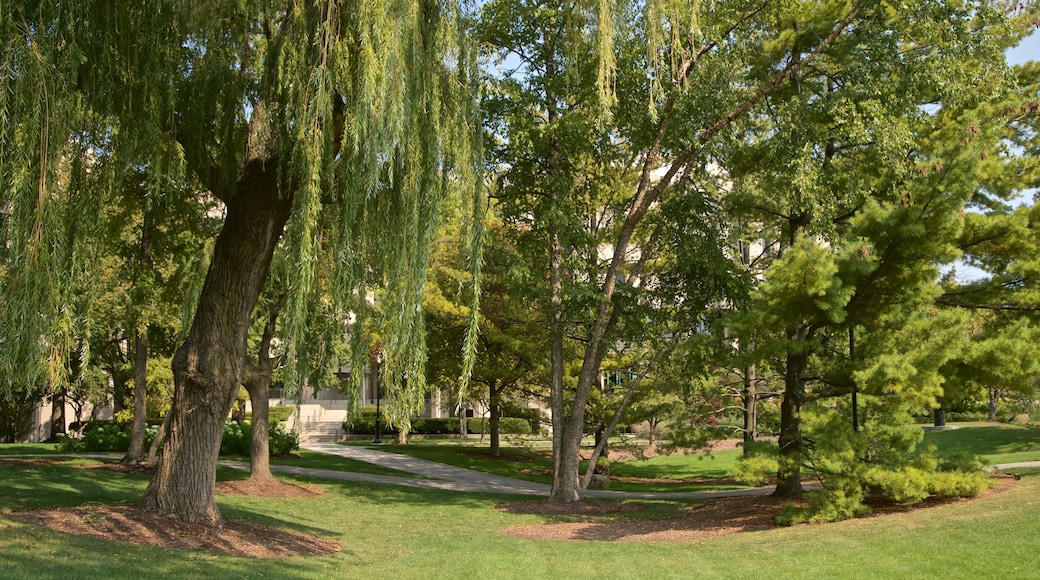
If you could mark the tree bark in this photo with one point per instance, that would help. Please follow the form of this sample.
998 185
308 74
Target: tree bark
495 422
993 394
208 366
750 402
153 449
257 384
789 474
135 453
58 413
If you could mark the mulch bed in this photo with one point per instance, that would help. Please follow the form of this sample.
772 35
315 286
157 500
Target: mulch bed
134 525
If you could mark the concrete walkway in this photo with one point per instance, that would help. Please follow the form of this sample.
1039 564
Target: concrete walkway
452 478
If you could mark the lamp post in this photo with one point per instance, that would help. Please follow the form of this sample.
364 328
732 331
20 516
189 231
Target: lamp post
375 379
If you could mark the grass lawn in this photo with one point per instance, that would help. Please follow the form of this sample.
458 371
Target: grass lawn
536 465
993 442
27 448
309 459
410 533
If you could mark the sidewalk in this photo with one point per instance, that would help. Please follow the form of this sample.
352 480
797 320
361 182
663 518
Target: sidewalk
452 478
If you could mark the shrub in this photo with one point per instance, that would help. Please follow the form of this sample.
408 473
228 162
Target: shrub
756 470
826 505
506 425
282 442
759 465
104 436
366 425
237 439
446 426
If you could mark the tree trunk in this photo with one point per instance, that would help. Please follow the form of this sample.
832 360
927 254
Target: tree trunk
258 384
135 453
495 423
153 449
58 413
749 399
994 402
566 444
208 366
789 474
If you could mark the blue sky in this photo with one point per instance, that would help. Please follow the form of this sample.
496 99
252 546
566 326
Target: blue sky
1028 49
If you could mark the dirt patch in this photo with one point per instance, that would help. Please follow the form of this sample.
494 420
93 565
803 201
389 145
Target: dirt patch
133 468
578 508
131 524
267 488
717 517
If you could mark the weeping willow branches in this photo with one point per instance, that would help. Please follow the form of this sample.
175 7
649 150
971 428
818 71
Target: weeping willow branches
366 111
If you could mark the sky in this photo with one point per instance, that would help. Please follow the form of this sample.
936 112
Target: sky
1028 49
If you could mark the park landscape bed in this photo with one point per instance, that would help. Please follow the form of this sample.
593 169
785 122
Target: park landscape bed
584 520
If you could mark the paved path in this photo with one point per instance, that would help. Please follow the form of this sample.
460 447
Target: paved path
452 478
1002 466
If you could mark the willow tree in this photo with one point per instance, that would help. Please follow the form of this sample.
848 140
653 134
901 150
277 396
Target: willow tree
334 128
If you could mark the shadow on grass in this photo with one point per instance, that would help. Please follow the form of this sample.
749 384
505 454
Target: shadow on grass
33 486
986 440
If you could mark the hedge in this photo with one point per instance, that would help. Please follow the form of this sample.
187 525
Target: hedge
365 425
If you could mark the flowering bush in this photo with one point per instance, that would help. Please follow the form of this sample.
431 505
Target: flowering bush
238 438
104 437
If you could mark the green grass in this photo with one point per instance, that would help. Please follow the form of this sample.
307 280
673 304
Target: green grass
315 460
27 448
516 462
407 533
993 442
309 459
536 465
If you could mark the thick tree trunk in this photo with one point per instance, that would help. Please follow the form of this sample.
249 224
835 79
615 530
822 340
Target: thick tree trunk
208 366
135 453
495 423
789 475
566 480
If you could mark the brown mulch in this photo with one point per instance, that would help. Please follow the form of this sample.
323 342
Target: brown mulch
131 524
717 517
269 488
134 525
